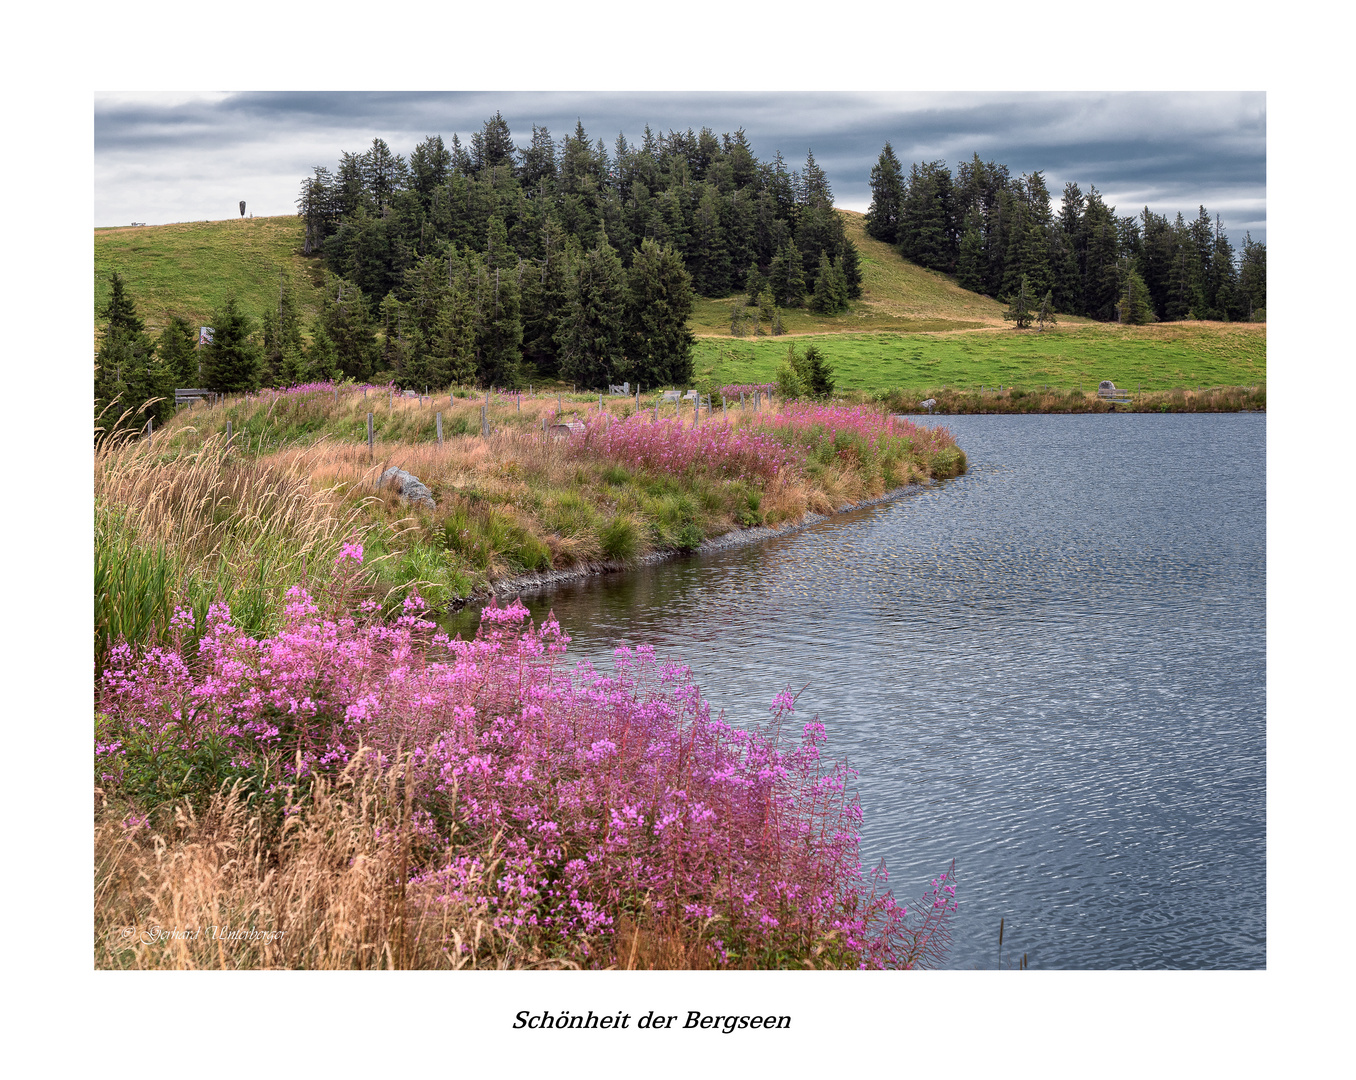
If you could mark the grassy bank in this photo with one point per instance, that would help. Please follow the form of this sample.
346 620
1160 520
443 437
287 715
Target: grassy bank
186 517
1040 400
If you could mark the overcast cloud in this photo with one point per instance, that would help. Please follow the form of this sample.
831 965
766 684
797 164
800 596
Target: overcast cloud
163 157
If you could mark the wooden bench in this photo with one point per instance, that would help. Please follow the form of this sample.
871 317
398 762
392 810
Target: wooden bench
670 395
189 395
1107 392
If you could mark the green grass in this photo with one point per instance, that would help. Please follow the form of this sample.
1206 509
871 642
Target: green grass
1157 357
188 269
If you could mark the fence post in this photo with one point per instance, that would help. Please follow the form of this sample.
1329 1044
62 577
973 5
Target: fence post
697 411
369 436
440 428
484 421
228 436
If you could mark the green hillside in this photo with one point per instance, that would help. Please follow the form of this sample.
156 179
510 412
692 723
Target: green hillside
188 269
912 328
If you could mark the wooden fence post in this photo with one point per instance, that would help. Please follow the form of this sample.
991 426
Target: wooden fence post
369 436
484 421
440 428
228 436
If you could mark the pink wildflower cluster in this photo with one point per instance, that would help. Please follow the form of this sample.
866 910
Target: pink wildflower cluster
748 389
668 446
566 797
812 425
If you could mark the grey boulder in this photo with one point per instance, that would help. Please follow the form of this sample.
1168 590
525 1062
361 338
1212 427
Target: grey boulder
410 487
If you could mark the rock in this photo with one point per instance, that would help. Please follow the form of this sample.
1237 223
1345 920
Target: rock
411 488
930 404
1106 384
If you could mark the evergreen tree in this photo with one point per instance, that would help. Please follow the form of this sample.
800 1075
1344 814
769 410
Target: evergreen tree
971 264
1136 305
1046 314
816 376
1252 279
593 336
1019 306
830 295
499 326
231 363
929 232
322 359
658 302
348 324
786 275
887 198
120 310
282 342
177 346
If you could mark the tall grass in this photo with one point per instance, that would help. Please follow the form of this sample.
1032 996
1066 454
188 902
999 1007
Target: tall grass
322 884
188 524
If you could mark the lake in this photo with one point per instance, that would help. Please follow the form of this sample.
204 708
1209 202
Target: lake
1051 669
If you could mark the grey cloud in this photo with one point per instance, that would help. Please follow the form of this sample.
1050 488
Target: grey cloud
1174 151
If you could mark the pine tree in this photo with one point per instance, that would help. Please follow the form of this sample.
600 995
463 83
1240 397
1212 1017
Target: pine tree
971 263
499 326
887 198
344 315
816 376
786 275
322 359
593 336
1046 314
231 363
1019 306
1252 278
177 347
659 298
132 384
830 295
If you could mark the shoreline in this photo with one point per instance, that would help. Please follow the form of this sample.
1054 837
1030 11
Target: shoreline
526 583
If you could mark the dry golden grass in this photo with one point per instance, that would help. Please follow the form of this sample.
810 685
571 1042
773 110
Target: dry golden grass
214 506
220 890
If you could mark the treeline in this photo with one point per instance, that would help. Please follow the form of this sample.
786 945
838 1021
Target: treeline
562 258
992 230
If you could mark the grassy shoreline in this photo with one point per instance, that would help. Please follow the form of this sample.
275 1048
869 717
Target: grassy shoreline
187 517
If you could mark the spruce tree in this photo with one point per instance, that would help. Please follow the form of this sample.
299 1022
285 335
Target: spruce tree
1046 314
132 385
887 198
231 363
1019 306
593 336
659 298
177 346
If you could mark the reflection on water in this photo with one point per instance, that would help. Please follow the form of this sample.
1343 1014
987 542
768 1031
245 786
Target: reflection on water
1051 669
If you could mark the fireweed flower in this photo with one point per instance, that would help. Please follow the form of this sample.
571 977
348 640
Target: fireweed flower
591 793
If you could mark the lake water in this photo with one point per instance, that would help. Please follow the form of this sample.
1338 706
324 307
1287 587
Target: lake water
1051 669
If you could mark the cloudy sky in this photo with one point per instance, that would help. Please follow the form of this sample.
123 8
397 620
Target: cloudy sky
167 156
